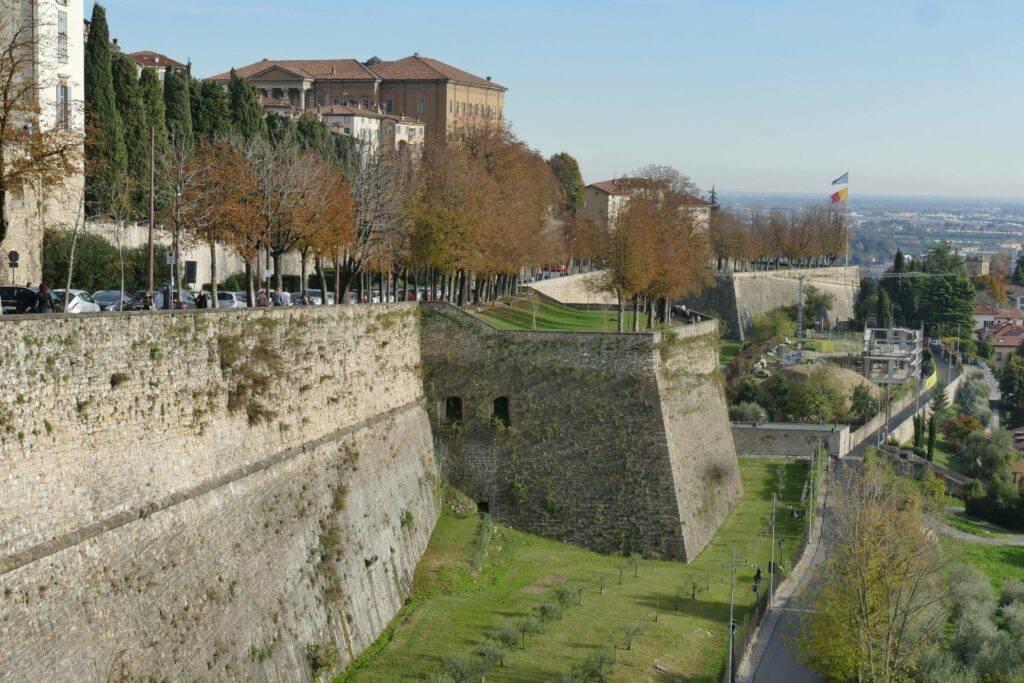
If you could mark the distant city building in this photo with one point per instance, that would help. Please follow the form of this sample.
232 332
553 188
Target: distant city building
976 264
156 61
416 87
1015 294
603 201
892 355
59 79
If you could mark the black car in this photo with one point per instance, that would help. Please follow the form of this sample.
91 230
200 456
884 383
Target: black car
113 300
14 298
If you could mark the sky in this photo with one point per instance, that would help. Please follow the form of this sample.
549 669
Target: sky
913 97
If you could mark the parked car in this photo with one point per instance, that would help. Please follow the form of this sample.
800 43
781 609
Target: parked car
113 300
9 299
317 297
79 301
231 300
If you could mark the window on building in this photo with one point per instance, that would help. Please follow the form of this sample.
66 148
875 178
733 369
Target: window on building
366 103
451 105
421 105
501 413
463 108
63 106
336 100
62 37
319 101
999 355
388 106
453 409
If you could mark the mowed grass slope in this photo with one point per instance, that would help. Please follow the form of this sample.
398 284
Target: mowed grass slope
997 562
553 317
451 607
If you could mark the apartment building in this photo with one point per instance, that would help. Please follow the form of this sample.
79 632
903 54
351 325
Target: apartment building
417 88
58 75
603 201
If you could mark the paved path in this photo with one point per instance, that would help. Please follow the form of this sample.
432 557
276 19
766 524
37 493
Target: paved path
771 656
946 530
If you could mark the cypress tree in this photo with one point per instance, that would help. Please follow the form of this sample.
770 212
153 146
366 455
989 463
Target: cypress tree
136 130
931 438
153 100
106 159
246 114
212 117
177 108
939 403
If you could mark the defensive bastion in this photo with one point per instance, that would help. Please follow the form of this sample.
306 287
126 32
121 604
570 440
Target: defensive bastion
219 495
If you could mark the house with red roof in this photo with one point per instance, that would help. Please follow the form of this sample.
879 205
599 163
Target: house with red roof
155 60
603 201
986 316
1005 338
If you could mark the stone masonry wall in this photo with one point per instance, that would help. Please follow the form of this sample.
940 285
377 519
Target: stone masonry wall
204 496
738 298
600 450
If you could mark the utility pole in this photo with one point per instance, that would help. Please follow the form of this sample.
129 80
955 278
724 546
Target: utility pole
732 622
771 566
800 316
152 203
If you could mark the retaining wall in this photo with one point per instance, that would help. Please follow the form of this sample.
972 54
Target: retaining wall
202 496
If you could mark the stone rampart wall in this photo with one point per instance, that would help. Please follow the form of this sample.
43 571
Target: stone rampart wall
780 439
202 496
616 442
738 298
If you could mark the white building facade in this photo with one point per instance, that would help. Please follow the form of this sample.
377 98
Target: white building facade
58 74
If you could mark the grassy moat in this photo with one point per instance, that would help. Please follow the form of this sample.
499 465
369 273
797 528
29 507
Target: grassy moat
452 605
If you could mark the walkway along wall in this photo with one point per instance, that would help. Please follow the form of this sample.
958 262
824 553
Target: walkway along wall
616 442
203 496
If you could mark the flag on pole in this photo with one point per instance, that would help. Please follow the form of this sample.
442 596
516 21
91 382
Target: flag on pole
840 196
843 179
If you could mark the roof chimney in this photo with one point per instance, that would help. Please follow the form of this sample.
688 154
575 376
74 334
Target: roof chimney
488 79
334 70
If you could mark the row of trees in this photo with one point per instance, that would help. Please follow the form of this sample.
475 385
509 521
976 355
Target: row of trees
813 236
935 293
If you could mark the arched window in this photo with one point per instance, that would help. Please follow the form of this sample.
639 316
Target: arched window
453 409
501 412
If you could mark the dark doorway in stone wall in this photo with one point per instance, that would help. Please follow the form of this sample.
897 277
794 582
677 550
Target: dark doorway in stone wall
483 507
501 413
453 409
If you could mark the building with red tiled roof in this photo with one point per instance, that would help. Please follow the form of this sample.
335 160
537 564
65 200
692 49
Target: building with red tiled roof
1005 338
602 202
419 88
986 316
155 60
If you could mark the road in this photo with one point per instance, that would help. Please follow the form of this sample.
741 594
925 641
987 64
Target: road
778 660
942 367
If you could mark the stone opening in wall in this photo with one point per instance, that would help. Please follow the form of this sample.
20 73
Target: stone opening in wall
501 412
483 507
453 409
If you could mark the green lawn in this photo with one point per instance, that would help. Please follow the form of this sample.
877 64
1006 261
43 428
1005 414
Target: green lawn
944 456
998 562
727 350
451 607
976 527
552 316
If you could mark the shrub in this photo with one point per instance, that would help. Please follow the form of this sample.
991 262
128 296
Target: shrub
970 591
1013 591
747 412
773 325
503 634
462 669
973 631
323 658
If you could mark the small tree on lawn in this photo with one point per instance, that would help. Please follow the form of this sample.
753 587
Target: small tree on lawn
492 652
528 626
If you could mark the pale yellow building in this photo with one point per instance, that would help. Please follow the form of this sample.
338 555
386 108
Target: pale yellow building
416 87
603 201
